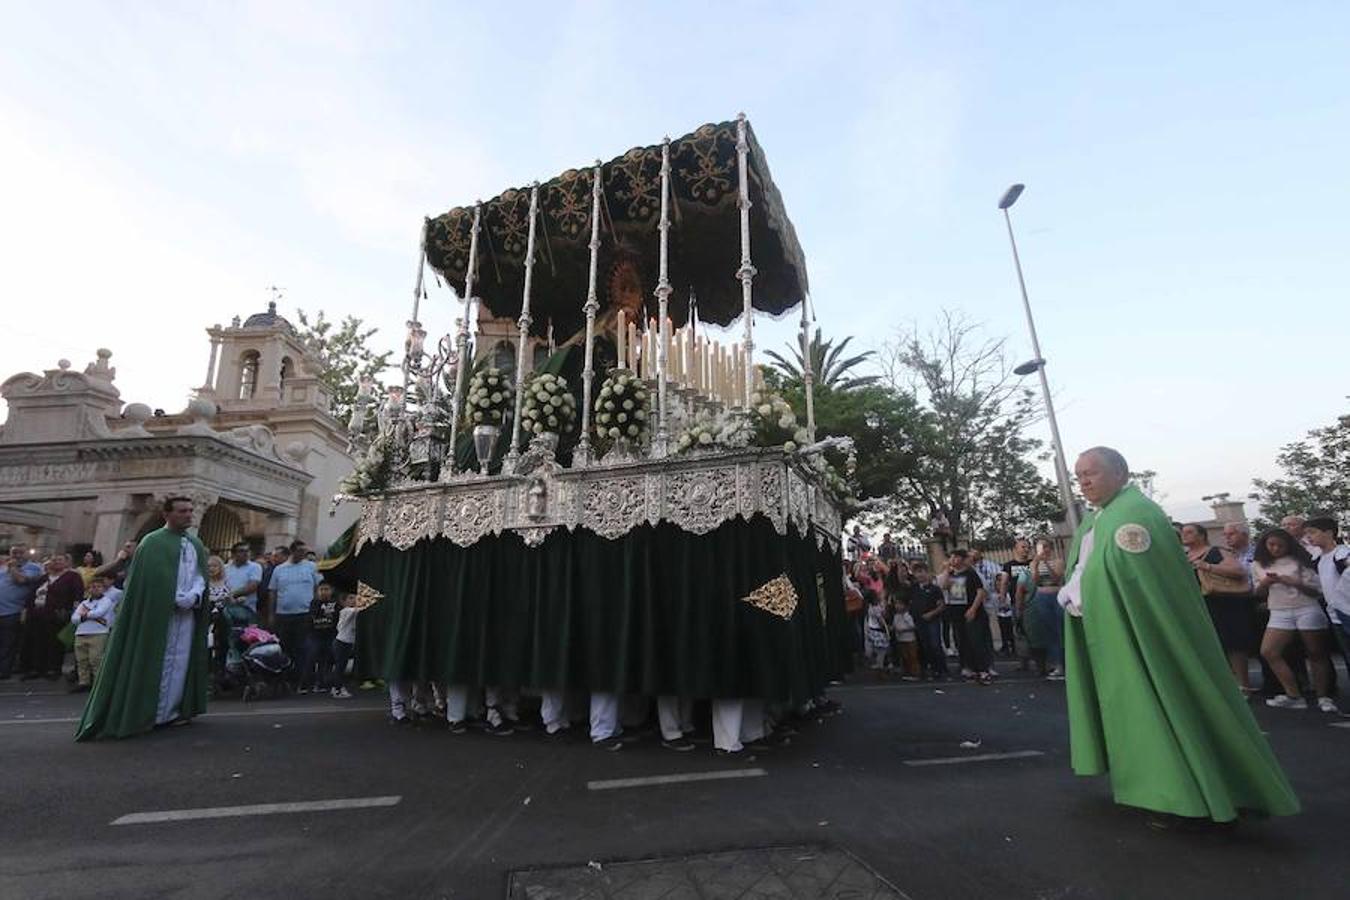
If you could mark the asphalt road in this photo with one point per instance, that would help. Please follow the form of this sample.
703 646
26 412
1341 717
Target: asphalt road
472 807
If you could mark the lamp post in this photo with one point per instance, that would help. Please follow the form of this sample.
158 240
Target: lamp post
1038 365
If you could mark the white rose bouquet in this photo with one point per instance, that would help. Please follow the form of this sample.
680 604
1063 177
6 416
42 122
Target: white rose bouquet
490 396
549 406
774 422
622 409
371 472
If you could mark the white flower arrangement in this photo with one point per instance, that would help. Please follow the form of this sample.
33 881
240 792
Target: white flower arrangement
371 472
774 423
490 396
549 406
623 408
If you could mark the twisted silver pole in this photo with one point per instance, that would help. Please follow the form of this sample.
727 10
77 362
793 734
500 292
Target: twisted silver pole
663 291
591 307
509 464
746 273
462 340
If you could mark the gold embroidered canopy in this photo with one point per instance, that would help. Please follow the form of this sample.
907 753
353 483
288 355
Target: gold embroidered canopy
705 240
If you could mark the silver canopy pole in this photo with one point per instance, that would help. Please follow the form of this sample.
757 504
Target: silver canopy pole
591 307
524 322
462 338
746 273
663 290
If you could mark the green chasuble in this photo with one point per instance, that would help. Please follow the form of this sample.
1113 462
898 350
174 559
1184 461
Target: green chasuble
126 690
1151 698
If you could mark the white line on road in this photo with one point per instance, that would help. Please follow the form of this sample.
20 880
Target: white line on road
978 757
257 809
230 714
616 783
1340 724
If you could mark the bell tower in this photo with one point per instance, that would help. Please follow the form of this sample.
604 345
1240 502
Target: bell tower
261 364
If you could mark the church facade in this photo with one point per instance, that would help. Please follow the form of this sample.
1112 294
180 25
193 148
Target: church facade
256 448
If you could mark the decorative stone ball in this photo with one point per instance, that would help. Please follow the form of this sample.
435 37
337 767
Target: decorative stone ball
137 413
201 408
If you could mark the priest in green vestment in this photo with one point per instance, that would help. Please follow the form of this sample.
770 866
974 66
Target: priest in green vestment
154 671
1152 702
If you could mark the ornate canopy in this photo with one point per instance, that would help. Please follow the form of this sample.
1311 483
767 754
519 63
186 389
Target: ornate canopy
705 246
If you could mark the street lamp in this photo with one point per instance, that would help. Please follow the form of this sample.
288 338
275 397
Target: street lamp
1038 365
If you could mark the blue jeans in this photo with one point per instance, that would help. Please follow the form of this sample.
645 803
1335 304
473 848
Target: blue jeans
342 652
931 653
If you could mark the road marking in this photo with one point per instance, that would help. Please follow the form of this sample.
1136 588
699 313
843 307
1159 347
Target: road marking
1340 724
231 714
256 809
616 783
977 757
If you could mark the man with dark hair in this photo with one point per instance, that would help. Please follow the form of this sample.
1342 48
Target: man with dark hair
293 589
155 669
1333 571
243 576
965 614
18 583
1151 700
269 565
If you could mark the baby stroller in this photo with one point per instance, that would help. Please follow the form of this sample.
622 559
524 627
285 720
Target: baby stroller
228 621
265 665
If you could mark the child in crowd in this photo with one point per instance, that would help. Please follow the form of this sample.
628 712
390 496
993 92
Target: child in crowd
926 609
878 638
902 627
1003 598
323 613
344 643
92 618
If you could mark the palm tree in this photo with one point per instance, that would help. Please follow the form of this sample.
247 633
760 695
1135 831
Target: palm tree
829 369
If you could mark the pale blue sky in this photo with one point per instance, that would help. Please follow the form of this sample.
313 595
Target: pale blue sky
1183 230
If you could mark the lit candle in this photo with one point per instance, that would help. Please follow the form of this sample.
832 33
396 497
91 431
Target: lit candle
619 336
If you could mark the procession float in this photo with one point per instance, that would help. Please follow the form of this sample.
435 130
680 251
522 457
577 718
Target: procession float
638 513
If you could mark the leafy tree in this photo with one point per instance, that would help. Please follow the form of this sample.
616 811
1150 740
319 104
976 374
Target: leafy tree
345 352
880 421
1316 476
828 364
973 458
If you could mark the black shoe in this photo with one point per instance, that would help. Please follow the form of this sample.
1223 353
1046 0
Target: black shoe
518 725
679 745
501 729
459 727
610 744
560 735
399 720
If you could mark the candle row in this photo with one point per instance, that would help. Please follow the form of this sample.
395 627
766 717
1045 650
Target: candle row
693 361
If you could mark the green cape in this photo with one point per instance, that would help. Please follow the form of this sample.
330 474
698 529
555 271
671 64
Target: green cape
126 691
1151 697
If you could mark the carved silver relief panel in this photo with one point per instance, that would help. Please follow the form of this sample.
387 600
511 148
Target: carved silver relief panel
613 507
701 499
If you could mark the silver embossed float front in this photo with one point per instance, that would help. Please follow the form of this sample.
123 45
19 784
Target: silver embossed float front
695 493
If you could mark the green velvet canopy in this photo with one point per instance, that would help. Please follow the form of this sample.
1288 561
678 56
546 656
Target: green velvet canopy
657 611
705 244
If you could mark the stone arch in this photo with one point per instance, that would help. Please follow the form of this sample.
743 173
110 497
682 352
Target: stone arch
220 529
250 366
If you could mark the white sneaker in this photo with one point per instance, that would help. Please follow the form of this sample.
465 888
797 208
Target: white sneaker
1284 701
1327 705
